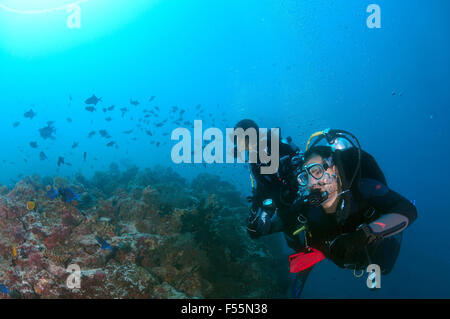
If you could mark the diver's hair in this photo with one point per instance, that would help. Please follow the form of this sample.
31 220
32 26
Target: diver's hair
245 124
322 151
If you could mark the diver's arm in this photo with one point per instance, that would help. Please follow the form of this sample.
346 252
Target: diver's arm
397 213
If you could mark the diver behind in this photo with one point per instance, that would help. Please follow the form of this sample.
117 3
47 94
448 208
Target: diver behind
272 194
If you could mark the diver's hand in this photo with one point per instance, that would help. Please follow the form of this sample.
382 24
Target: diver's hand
345 248
258 223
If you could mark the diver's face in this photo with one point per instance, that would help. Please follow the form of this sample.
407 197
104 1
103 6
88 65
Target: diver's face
245 148
327 183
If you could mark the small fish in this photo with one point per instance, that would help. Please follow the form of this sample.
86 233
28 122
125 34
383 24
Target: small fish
156 108
108 119
135 103
123 110
128 132
30 114
42 156
104 110
16 124
93 100
14 251
33 144
159 124
90 108
68 195
84 156
51 192
110 144
92 134
47 132
111 108
75 145
4 290
104 134
157 144
69 120
148 133
103 244
60 161
151 98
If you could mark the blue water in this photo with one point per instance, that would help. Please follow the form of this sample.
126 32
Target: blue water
299 65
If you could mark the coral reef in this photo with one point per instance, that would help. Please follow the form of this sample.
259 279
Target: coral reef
133 234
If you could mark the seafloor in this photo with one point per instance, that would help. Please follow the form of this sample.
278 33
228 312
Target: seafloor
169 238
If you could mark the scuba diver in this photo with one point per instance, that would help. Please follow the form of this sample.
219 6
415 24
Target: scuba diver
345 210
272 194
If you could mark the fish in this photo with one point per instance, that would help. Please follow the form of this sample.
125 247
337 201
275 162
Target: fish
60 161
157 144
48 131
156 108
148 132
104 134
84 156
4 290
108 119
93 100
16 124
111 108
30 114
159 124
51 192
110 144
90 108
69 120
33 144
127 132
42 156
68 195
104 110
151 98
75 145
123 110
135 103
103 244
92 134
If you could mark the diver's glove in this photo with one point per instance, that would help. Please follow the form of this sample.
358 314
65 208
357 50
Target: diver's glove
259 223
347 248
